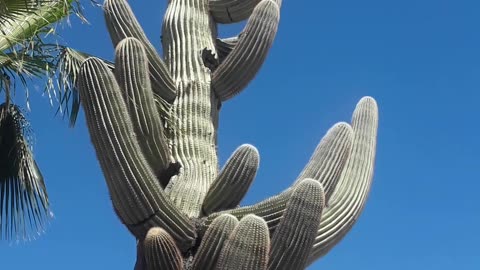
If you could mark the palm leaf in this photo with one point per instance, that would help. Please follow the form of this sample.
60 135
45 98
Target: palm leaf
23 20
24 25
24 205
25 64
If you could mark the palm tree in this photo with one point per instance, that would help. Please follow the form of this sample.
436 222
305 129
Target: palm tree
25 53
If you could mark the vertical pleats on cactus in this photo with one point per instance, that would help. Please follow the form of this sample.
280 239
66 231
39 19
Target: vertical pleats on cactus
121 23
251 50
161 251
247 247
132 70
224 46
354 184
325 165
334 148
161 162
231 11
134 188
296 232
233 181
213 241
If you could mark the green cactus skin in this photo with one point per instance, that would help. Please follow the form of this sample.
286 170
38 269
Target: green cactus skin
121 23
225 46
135 191
213 241
325 165
233 181
352 190
296 232
244 61
247 247
153 122
132 70
161 252
231 11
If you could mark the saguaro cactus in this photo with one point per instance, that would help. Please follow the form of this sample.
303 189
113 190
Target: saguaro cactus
153 122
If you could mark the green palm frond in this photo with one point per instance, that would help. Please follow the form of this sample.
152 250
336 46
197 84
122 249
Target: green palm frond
24 64
23 20
24 205
24 54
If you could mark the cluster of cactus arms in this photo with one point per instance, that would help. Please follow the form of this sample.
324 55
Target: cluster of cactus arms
153 123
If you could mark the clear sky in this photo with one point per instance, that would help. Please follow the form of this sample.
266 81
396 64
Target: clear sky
419 59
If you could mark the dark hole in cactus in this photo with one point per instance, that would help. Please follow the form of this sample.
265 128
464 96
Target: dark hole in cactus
172 169
209 59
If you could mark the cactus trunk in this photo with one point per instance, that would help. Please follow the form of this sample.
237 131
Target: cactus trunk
187 31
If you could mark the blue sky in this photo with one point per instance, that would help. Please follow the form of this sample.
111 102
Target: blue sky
419 59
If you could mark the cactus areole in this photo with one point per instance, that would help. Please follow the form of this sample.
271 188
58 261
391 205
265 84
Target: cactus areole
153 122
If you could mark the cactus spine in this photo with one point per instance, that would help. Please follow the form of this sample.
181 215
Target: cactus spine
153 123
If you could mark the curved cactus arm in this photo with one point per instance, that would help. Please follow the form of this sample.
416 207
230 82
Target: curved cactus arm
122 23
352 190
140 263
68 67
161 251
213 242
224 46
131 72
296 232
242 64
337 146
231 11
135 192
234 180
325 166
248 246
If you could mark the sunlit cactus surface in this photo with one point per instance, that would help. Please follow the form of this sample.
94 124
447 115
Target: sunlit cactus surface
153 121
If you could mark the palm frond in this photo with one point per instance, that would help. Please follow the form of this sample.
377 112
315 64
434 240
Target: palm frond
24 205
24 25
35 61
26 64
23 20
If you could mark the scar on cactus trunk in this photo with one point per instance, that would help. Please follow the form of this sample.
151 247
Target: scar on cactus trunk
153 122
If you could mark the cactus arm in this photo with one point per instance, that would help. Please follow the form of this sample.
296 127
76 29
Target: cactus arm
353 187
213 242
234 180
296 232
161 251
134 190
244 61
224 46
325 166
247 247
131 72
231 11
339 140
122 23
68 67
140 263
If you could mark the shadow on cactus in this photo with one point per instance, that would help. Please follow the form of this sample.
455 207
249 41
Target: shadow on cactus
153 122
